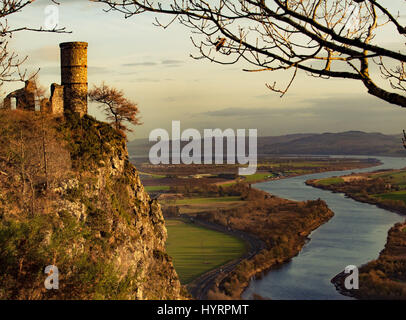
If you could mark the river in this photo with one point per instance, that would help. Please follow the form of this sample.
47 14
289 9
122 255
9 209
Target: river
355 235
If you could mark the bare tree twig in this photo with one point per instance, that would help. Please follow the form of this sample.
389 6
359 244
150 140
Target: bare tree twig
311 36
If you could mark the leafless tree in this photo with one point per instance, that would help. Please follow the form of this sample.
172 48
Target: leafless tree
10 62
324 38
32 157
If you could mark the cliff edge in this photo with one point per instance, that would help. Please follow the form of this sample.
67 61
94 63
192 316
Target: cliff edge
69 197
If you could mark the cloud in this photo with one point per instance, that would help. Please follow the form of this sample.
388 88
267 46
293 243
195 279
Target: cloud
145 80
352 104
238 112
139 64
170 62
167 63
349 110
324 114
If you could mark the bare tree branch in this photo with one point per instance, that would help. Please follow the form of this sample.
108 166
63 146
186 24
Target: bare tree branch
324 38
10 62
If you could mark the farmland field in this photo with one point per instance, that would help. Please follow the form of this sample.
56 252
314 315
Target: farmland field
333 180
156 188
397 195
195 249
258 177
398 178
206 200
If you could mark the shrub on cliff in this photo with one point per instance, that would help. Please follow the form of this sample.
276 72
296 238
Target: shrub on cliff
93 220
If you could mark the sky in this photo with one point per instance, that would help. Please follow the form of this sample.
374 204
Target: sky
154 68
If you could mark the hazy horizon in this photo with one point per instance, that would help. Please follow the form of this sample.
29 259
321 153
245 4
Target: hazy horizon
153 68
301 133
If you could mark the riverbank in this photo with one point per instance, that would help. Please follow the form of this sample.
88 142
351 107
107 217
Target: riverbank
340 165
283 225
385 277
386 190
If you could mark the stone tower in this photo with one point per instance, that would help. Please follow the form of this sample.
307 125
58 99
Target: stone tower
74 76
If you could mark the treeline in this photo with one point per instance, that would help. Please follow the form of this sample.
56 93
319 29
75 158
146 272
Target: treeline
211 190
207 190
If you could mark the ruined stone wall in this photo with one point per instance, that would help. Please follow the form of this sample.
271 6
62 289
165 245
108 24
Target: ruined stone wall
74 76
70 96
56 100
25 97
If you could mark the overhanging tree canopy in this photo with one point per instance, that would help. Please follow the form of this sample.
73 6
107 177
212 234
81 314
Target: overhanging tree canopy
324 38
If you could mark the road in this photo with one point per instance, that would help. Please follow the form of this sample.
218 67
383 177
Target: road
201 286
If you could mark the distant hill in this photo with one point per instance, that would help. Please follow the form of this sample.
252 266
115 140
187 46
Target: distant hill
342 143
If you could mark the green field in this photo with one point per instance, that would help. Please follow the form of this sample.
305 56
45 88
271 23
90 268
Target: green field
156 188
195 250
151 175
397 195
398 178
306 164
328 181
206 200
258 177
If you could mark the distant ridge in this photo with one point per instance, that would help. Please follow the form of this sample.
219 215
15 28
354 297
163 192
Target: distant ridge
342 143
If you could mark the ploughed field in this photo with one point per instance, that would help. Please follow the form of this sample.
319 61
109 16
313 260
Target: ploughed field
196 250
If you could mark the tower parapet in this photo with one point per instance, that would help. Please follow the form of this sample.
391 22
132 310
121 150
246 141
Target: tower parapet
74 76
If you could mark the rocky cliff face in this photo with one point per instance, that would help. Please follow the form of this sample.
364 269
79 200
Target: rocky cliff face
96 223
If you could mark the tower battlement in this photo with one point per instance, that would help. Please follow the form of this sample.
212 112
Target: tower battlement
74 76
